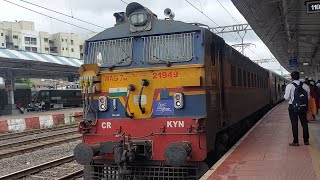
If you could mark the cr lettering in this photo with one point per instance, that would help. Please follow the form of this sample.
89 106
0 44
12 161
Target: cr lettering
106 125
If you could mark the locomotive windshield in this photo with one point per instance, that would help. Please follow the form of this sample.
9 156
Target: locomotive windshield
111 53
156 49
169 48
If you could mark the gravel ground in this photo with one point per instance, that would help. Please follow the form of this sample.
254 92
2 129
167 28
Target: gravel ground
16 163
35 136
56 172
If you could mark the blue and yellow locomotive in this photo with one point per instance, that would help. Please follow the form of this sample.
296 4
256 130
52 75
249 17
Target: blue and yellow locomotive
159 94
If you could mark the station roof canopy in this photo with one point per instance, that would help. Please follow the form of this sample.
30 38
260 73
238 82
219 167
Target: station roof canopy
18 63
289 31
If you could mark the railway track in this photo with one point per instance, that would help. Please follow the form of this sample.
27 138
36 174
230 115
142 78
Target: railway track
11 149
35 131
59 169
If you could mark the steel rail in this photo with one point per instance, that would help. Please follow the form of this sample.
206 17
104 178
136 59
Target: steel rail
35 131
73 175
40 139
38 168
40 145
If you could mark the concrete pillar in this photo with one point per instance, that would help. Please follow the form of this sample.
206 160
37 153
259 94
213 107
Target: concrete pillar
10 108
9 87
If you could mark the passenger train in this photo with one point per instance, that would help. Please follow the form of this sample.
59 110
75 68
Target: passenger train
164 98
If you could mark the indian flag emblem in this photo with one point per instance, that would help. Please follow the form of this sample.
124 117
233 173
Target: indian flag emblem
116 92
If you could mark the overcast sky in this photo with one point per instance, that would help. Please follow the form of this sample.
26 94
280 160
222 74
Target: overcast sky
100 12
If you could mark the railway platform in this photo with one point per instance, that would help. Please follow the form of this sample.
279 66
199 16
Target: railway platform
38 120
264 152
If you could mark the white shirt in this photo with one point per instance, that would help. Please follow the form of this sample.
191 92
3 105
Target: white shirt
289 93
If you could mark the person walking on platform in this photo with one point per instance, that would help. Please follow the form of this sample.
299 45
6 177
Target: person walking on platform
298 95
312 103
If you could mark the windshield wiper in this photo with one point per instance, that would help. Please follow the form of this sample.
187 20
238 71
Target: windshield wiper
119 62
163 61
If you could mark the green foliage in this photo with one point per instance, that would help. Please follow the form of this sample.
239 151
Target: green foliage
24 80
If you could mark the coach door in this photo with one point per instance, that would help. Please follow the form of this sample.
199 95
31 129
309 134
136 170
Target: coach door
221 81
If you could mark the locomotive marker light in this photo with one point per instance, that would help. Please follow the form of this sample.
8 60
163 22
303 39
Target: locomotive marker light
178 100
103 104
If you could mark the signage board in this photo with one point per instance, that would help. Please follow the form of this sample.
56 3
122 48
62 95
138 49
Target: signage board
8 85
293 62
313 7
163 107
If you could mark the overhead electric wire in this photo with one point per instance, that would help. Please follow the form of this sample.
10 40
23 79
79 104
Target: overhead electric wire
63 13
48 16
210 18
265 47
238 23
124 1
71 8
201 12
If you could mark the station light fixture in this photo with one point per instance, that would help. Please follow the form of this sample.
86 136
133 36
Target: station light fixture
178 100
305 64
103 103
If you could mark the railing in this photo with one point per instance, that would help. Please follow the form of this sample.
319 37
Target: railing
168 48
110 53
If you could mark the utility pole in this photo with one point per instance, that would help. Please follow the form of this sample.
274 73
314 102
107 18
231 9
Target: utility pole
262 61
235 28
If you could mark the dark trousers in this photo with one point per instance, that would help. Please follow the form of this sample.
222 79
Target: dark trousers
294 122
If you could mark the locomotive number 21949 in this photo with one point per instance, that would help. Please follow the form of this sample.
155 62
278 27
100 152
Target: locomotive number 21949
162 75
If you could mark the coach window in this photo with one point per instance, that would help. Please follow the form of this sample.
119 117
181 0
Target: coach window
233 76
249 79
239 77
255 81
259 81
252 80
244 78
265 83
212 55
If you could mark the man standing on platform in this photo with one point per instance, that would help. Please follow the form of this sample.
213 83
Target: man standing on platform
298 95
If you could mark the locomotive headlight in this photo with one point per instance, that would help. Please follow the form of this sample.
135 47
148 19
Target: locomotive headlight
138 19
178 100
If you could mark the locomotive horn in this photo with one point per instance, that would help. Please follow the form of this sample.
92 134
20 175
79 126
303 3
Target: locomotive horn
169 13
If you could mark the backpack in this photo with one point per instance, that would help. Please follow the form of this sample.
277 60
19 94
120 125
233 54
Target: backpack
300 102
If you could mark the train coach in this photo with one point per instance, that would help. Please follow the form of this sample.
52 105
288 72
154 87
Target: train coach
22 95
164 98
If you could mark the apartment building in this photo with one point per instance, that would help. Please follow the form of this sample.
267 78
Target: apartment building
21 35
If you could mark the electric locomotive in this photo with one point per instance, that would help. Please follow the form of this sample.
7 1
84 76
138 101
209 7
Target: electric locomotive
156 95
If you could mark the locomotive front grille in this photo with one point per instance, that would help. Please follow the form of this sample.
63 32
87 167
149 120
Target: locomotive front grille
111 172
